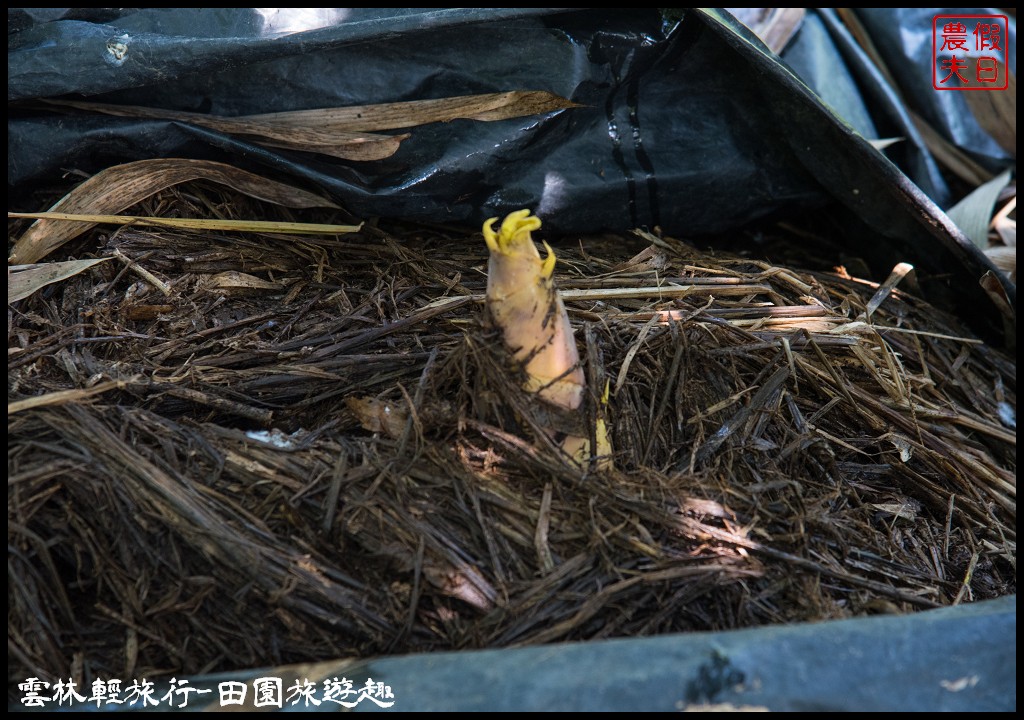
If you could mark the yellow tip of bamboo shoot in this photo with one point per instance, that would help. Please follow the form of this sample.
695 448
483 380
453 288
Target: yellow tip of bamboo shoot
548 268
523 302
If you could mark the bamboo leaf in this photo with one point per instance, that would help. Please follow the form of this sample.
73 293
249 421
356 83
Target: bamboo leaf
775 26
949 155
309 137
264 226
23 280
1004 258
973 214
378 415
114 189
234 280
1004 225
883 143
390 116
348 132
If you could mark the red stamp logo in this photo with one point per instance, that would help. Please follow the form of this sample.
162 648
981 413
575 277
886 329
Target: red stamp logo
969 52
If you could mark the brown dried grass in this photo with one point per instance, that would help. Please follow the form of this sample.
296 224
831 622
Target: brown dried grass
781 453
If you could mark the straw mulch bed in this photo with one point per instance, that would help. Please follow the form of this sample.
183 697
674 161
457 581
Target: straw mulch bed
333 464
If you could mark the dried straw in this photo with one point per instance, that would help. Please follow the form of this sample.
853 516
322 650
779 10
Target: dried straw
198 491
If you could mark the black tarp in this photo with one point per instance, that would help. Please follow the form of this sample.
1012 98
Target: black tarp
960 659
692 126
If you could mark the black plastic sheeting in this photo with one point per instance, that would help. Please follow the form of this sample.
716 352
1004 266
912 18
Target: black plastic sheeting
958 659
951 659
692 126
947 112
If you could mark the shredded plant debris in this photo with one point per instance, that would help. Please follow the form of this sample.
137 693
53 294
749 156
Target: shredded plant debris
238 450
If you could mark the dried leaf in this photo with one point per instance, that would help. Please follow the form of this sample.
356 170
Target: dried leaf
23 280
1004 258
907 509
264 226
378 416
956 160
148 312
464 582
116 188
863 38
974 213
997 294
389 116
307 137
1004 225
1007 231
906 450
883 143
346 132
234 280
775 26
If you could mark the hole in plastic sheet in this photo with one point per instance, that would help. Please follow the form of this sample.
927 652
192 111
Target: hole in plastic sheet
117 49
